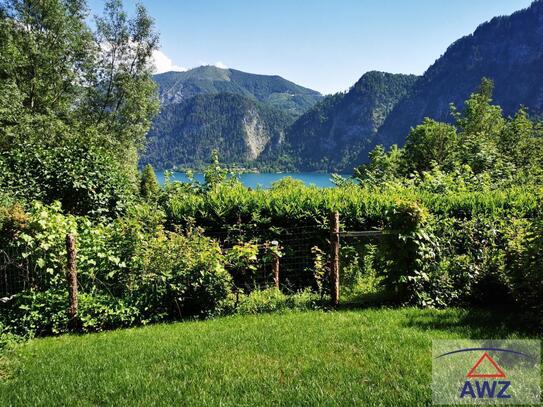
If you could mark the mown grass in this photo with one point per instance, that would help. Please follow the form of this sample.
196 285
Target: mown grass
372 357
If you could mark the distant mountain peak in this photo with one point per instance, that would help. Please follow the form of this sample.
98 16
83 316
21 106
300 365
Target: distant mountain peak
337 130
175 87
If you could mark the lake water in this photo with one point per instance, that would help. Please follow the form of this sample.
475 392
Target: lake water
264 180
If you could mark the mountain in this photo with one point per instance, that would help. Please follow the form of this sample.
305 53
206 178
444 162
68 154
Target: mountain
242 115
240 128
336 131
267 121
508 50
175 87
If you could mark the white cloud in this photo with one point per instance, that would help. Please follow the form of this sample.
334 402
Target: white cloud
219 64
163 63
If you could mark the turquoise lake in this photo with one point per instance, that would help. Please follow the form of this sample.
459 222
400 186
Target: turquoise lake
264 180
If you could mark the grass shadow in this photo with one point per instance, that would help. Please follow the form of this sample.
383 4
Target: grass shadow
477 323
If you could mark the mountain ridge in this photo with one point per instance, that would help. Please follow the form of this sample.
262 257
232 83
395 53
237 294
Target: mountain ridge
333 133
174 87
507 49
307 131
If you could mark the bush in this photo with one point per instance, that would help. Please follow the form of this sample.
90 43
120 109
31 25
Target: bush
179 276
452 249
102 312
32 313
86 179
524 260
129 271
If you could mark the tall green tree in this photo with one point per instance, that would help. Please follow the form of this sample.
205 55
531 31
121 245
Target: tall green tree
122 98
74 105
479 126
46 53
431 143
521 142
149 186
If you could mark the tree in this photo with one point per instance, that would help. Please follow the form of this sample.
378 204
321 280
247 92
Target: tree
122 98
214 174
481 149
479 127
520 143
383 166
73 102
149 187
46 53
430 143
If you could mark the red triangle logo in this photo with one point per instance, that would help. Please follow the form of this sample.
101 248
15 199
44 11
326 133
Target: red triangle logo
499 373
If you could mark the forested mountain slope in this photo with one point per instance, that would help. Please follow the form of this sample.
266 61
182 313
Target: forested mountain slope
337 130
240 128
508 50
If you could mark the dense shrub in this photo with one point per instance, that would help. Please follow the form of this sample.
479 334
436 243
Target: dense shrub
455 248
179 276
129 271
524 260
273 300
155 264
88 180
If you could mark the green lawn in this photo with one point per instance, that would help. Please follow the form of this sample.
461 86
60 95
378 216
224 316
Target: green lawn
366 357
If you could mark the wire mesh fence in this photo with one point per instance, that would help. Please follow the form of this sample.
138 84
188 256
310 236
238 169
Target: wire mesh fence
285 258
293 246
290 258
15 275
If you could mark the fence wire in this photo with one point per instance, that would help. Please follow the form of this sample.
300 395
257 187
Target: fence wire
296 261
295 244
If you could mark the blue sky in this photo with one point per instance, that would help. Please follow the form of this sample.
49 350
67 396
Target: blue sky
322 44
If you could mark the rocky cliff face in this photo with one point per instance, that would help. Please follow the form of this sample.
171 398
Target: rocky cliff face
255 135
241 129
508 50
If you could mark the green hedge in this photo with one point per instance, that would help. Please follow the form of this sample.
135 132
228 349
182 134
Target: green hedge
459 248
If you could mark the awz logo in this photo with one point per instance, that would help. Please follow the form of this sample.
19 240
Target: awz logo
486 371
486 388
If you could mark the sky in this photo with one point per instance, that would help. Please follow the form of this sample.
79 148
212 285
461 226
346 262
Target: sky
325 45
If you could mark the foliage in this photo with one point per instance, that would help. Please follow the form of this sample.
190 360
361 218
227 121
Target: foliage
86 178
129 271
75 105
149 187
241 260
429 144
321 271
180 276
447 244
524 260
214 173
482 149
273 300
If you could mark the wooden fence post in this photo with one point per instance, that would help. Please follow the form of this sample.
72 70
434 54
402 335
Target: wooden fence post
334 258
275 269
275 262
71 275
